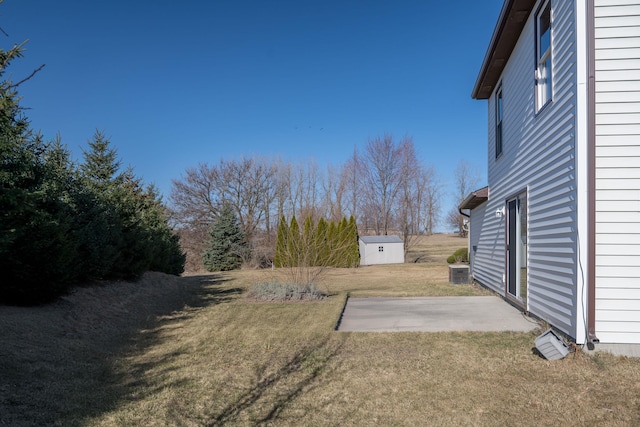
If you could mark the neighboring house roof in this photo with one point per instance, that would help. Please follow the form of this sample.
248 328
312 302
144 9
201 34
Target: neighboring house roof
475 199
381 239
512 18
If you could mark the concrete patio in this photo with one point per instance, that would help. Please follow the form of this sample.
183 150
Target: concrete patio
433 314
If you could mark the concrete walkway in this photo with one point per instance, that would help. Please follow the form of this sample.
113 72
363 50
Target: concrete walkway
433 314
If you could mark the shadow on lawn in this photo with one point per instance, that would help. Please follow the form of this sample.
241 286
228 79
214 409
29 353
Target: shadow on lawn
61 364
273 392
124 383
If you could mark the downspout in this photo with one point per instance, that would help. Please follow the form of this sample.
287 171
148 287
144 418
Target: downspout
591 171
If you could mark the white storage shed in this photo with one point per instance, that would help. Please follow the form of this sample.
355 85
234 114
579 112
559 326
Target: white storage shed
381 250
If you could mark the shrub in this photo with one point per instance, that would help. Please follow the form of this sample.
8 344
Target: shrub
460 255
282 292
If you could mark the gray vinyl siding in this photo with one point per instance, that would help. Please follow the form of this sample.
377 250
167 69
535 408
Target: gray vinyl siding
477 216
617 54
538 157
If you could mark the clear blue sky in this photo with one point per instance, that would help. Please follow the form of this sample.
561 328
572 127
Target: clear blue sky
175 83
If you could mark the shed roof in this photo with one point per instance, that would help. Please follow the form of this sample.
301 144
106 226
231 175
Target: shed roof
513 17
475 199
381 239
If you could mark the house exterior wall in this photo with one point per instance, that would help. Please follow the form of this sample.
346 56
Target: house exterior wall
476 217
392 253
538 157
617 86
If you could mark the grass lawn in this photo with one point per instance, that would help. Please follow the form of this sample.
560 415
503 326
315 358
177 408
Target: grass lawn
193 351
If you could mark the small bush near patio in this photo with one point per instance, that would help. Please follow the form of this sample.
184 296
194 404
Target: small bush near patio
461 255
281 292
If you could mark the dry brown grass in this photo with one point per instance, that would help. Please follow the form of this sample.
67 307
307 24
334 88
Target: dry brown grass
194 352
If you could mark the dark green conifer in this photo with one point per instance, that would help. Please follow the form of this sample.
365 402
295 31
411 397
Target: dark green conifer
321 244
354 251
280 259
294 243
227 245
308 249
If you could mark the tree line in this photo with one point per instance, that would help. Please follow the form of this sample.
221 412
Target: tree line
64 223
385 187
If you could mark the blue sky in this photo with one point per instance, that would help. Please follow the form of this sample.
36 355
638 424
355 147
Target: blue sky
178 83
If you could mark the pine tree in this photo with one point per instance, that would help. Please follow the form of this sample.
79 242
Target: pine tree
101 163
103 213
227 243
34 247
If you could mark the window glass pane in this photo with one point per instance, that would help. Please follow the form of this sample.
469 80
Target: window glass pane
543 68
544 28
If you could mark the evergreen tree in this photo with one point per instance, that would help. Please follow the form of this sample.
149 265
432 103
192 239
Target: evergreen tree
320 243
101 212
308 249
227 243
60 224
280 258
34 248
342 244
354 251
294 243
332 244
101 163
126 225
166 256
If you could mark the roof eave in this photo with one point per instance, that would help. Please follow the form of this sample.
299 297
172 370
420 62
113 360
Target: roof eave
511 21
475 199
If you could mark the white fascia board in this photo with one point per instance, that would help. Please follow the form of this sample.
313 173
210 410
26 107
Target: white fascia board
582 171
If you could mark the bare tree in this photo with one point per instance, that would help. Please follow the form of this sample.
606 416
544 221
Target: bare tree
304 183
387 189
466 180
246 184
352 177
431 200
194 203
334 188
383 164
410 192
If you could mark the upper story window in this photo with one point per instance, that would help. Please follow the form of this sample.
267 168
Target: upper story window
499 122
543 56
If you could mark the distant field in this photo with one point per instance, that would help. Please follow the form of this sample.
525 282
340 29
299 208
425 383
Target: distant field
193 351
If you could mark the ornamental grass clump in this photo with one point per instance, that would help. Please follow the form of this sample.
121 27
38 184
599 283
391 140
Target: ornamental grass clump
284 292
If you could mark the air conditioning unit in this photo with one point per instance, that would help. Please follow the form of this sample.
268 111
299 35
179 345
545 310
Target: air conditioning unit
458 274
551 346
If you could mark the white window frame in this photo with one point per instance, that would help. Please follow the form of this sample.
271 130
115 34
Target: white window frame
499 142
544 67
